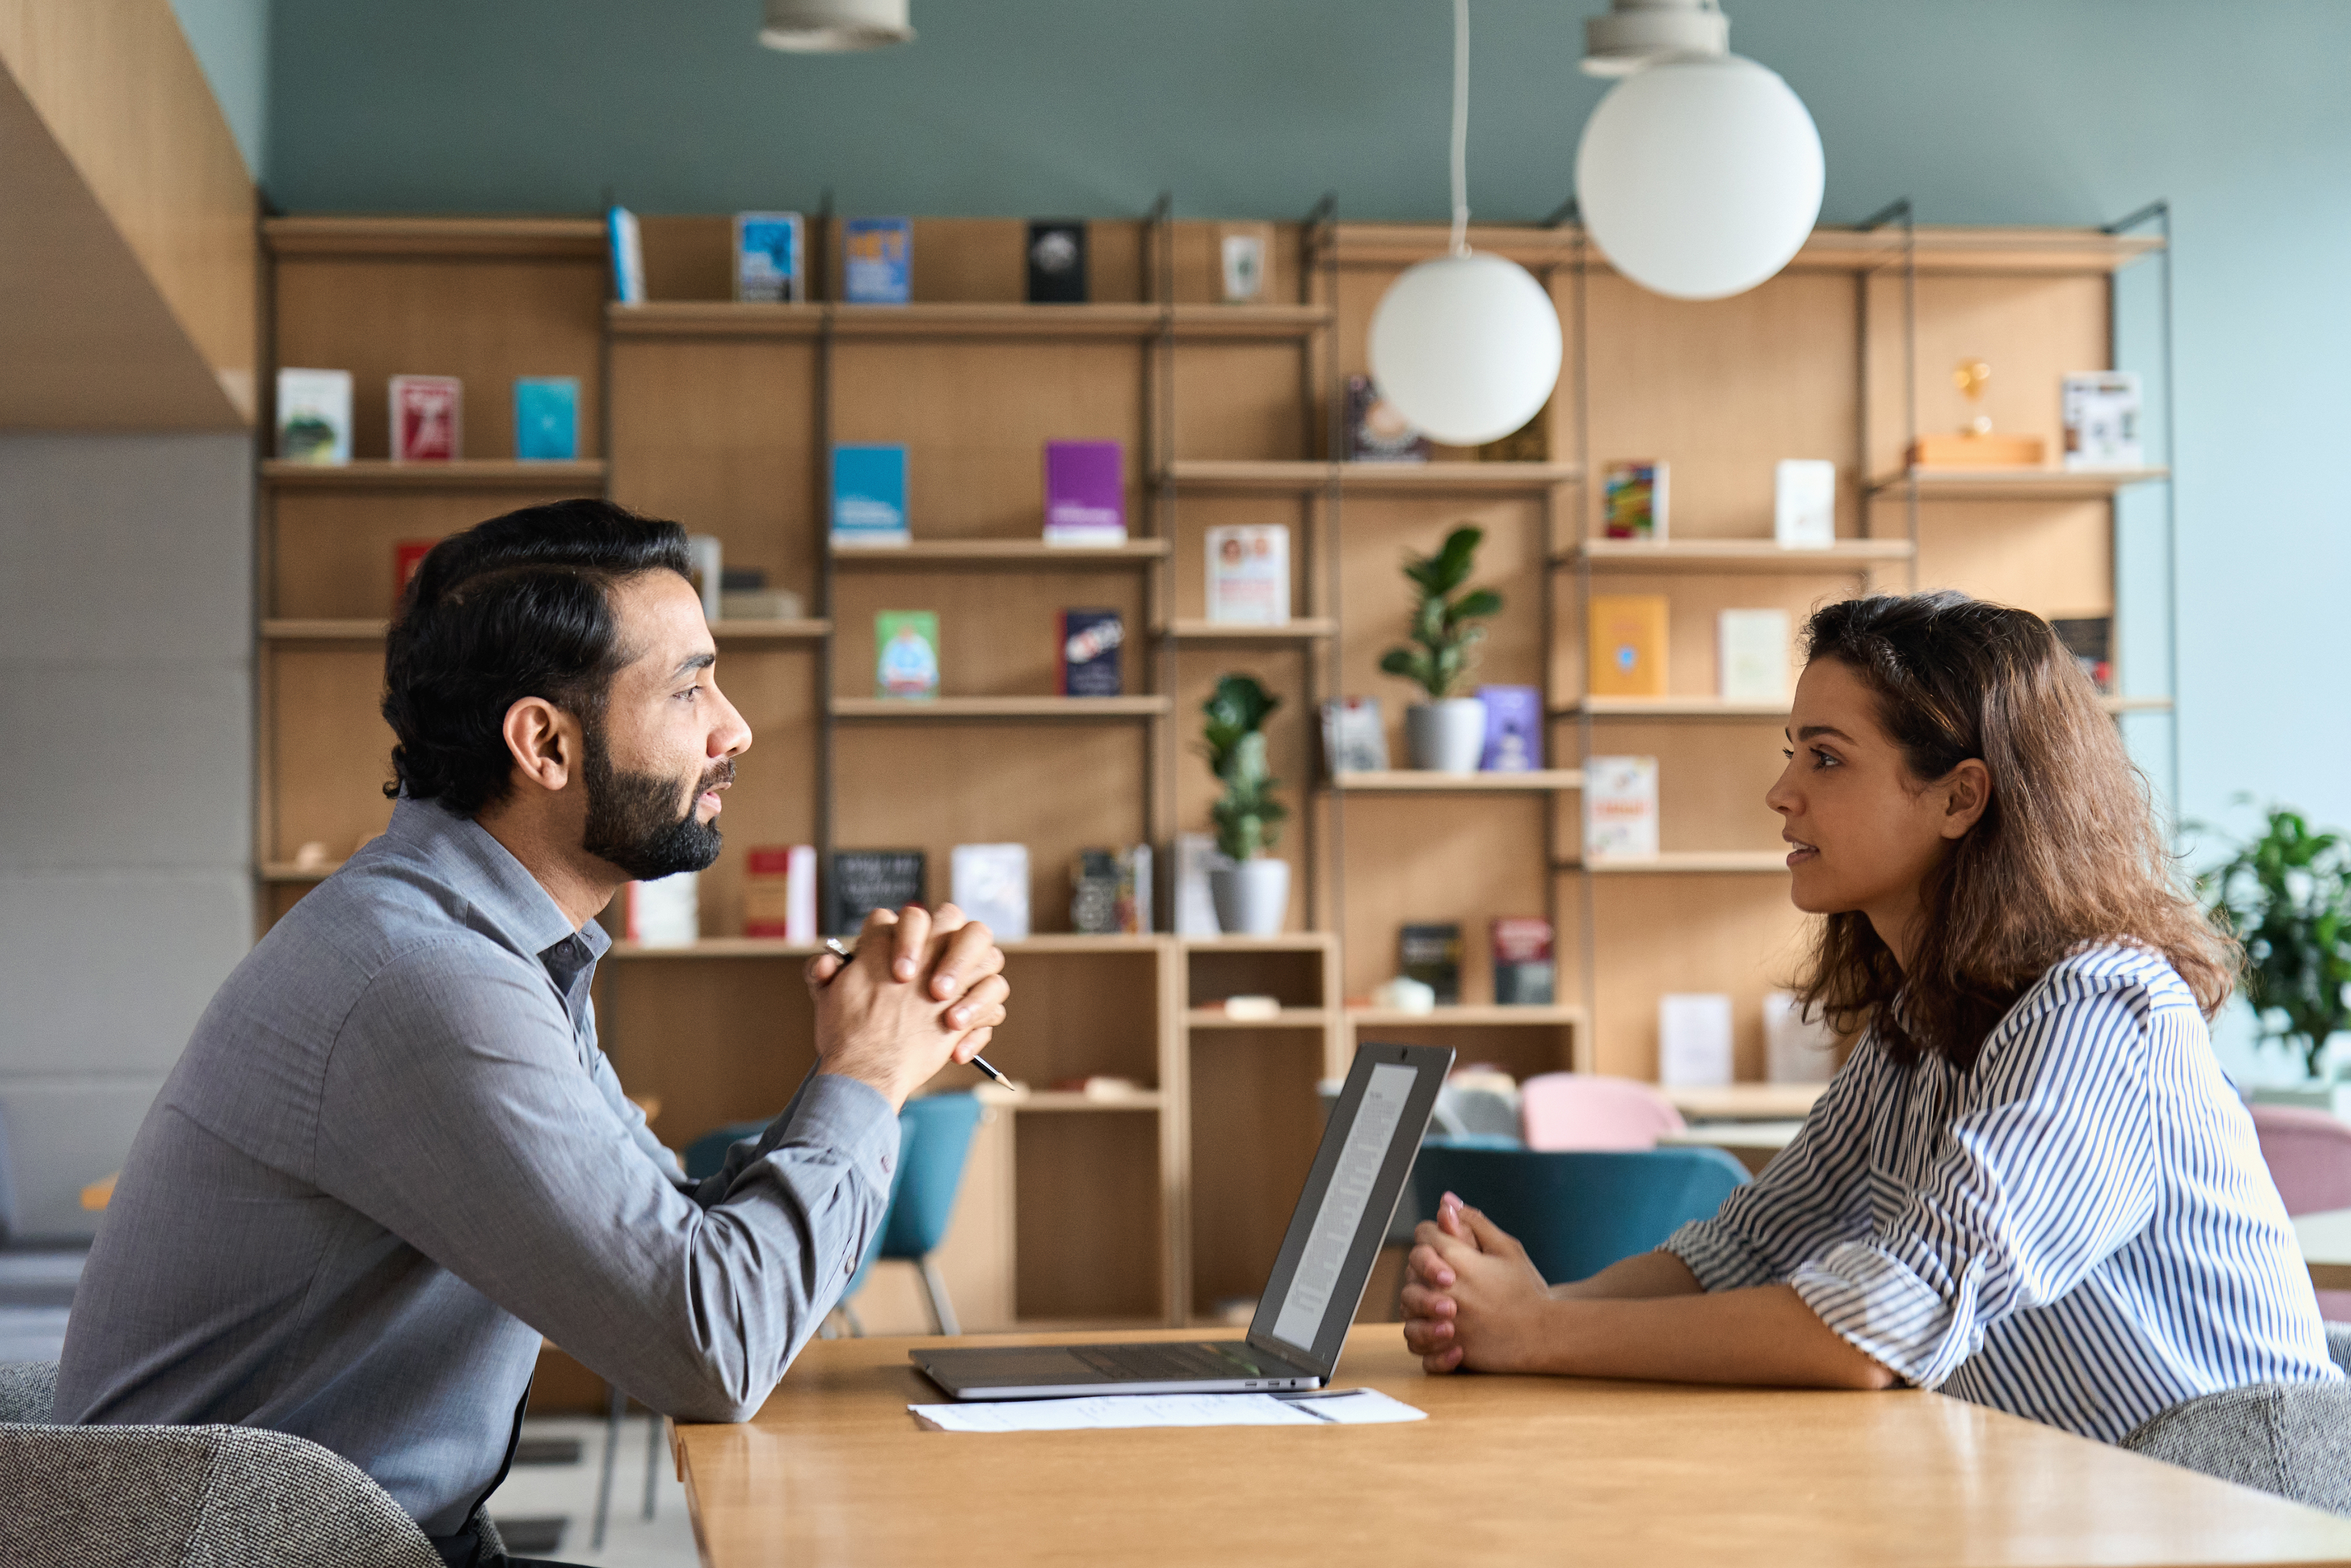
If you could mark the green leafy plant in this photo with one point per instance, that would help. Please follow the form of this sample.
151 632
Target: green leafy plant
2286 895
1248 817
1446 623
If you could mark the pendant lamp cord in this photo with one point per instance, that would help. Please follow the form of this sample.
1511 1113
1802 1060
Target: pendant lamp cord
1462 127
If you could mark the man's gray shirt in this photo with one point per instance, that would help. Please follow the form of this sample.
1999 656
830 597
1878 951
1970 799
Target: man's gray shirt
393 1156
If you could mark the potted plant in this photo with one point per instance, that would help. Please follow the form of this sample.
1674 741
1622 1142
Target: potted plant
1446 732
1252 894
2286 895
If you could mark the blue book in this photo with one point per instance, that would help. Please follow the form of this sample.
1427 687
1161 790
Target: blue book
767 257
869 495
628 256
880 253
547 418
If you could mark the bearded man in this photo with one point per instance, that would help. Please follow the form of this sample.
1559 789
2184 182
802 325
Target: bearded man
393 1156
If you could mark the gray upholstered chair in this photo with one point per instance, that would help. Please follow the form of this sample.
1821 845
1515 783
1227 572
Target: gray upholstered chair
186 1497
2291 1438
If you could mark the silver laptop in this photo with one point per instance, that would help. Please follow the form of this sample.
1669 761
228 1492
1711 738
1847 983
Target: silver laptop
1318 1280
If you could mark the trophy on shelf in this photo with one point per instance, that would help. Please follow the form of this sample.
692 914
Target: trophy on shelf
1974 445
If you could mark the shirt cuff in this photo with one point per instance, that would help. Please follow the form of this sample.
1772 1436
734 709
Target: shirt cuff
1888 1314
1718 1259
844 1113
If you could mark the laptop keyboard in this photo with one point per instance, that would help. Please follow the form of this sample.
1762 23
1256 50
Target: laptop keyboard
1177 1363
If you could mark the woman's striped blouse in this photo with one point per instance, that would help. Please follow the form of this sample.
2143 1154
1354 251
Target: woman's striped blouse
2078 1229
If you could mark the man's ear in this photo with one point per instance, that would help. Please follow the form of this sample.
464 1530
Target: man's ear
1967 794
544 742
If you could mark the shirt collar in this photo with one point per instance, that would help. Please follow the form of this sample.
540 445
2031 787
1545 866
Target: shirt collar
503 899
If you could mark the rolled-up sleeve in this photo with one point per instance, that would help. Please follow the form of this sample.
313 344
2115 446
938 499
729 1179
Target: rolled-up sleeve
455 1113
2046 1171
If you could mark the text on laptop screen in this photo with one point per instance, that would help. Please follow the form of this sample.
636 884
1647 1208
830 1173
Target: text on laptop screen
1342 1213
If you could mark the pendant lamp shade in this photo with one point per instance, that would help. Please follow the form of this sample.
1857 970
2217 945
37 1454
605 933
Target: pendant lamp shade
1466 347
1700 178
831 27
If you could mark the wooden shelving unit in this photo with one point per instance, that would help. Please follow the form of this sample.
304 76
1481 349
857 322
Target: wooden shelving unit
1154 1208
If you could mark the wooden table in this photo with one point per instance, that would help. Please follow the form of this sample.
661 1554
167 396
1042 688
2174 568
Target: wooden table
1505 1471
2325 1241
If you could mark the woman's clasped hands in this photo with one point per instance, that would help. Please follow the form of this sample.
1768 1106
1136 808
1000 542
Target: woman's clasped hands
1471 1297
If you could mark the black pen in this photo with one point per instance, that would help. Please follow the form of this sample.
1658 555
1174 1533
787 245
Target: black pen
833 945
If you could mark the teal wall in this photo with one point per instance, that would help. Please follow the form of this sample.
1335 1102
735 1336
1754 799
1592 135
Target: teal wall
231 40
1981 111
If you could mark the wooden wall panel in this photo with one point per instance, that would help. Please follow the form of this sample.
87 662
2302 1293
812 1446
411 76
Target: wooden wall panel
1246 401
1199 265
331 751
486 319
2031 330
1522 1051
333 550
715 1040
997 629
1089 1182
1711 777
1198 511
2053 558
1254 1126
773 802
1415 859
1655 934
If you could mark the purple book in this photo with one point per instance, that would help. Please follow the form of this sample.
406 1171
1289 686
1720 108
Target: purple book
1513 729
1085 493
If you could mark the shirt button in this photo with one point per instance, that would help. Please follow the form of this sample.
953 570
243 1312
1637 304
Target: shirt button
849 1266
885 1165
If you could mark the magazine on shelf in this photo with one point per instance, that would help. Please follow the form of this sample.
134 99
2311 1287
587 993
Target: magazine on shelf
878 261
547 418
1085 493
767 257
869 495
1087 651
314 417
1249 574
1804 504
1620 808
427 418
991 884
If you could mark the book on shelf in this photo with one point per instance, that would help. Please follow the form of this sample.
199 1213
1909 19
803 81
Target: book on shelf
1634 498
991 884
1513 729
1797 1048
779 892
862 881
869 494
1376 431
1242 250
1524 972
1752 655
2090 639
664 912
767 257
1628 642
744 595
878 261
1804 504
1431 954
314 417
2101 411
626 243
427 418
1249 574
1086 654
1085 493
1110 892
906 653
1694 1040
1620 808
706 561
1354 735
546 419
1057 261
407 555
1196 855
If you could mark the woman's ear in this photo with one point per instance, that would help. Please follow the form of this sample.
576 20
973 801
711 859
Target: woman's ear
1967 794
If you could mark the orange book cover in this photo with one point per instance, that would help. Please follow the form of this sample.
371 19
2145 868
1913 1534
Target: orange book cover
1628 645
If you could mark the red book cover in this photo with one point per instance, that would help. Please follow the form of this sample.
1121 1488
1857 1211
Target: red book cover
407 555
426 412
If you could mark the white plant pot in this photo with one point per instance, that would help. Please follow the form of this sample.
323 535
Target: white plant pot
1251 898
1446 736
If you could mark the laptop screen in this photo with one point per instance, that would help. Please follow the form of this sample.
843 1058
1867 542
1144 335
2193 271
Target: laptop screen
1350 1194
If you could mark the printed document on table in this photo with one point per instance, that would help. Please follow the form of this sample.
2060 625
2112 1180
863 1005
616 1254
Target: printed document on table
1356 1407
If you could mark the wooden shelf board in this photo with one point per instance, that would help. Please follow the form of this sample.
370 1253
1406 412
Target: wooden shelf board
714 318
1288 942
1736 556
1031 555
1298 629
1470 1016
1124 323
287 871
2136 704
1744 1101
352 235
1250 320
2011 484
1067 1101
775 947
1669 707
1422 781
296 630
1422 477
473 474
1289 1018
770 631
1078 942
945 709
1937 248
1687 862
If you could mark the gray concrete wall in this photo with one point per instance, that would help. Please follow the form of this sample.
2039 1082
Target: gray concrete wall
126 744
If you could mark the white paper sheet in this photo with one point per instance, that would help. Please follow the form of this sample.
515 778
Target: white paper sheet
1355 1407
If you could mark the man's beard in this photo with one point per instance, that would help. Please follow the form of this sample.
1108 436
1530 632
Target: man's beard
633 819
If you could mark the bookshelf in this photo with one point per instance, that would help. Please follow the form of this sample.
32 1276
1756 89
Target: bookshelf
1165 1204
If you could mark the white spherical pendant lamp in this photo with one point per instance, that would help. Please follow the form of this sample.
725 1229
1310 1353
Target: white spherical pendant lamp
1466 346
833 27
1700 178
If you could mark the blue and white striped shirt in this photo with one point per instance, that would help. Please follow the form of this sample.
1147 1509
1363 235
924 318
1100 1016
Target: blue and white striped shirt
2079 1229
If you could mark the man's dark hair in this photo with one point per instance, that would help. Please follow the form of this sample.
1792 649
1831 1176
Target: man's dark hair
520 606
